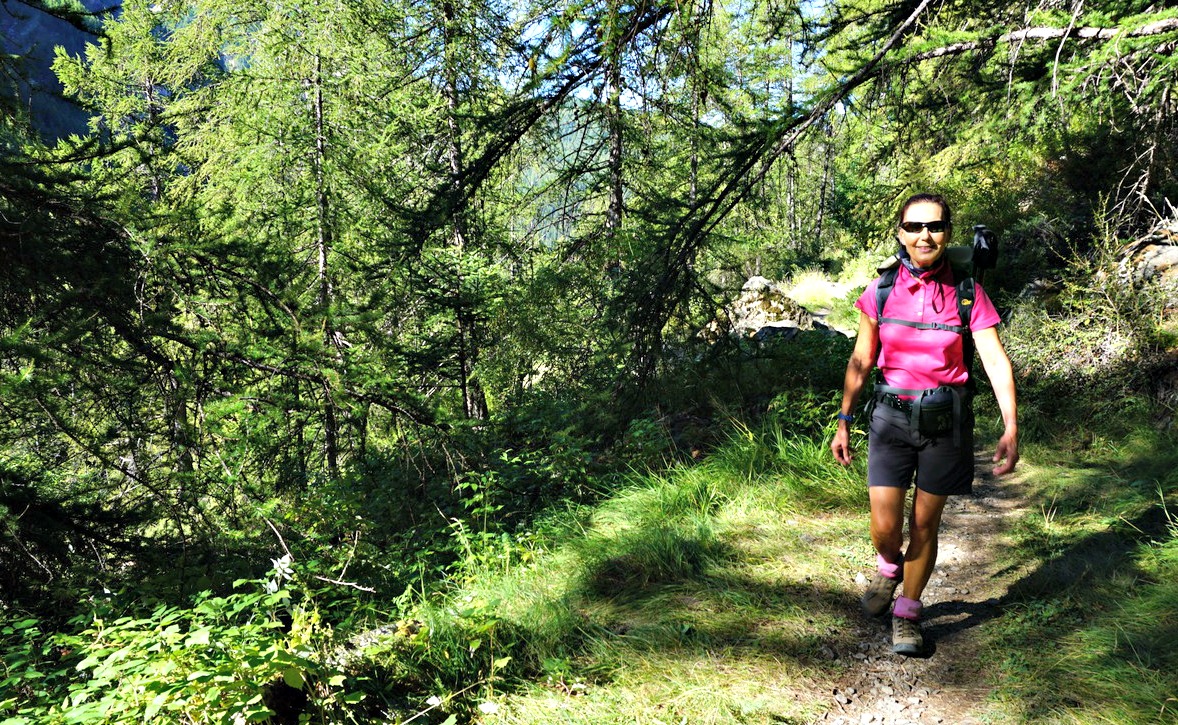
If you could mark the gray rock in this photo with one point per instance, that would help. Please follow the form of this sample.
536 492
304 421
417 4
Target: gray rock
784 331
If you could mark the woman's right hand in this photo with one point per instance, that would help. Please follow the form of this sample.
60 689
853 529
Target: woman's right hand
841 445
858 369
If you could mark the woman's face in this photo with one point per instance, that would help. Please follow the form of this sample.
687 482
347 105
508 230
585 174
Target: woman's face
925 246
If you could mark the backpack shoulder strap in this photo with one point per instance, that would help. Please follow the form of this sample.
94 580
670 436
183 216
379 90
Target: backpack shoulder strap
887 281
966 294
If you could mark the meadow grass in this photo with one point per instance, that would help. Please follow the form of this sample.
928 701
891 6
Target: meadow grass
704 592
1089 632
813 290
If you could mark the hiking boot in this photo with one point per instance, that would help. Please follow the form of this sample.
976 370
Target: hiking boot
906 637
878 597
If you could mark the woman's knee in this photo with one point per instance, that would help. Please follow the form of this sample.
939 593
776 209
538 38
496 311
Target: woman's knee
925 519
924 528
887 527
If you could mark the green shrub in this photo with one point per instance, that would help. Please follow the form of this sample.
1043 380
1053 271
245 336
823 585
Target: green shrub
1088 357
244 657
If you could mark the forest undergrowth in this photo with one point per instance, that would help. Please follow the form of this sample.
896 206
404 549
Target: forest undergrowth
703 569
706 592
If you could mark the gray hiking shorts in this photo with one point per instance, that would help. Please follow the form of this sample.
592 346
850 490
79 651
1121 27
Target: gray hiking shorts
897 455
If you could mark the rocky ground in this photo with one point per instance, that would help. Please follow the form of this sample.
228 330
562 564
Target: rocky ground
944 685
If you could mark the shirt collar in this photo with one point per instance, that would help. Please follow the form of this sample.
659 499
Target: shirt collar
939 271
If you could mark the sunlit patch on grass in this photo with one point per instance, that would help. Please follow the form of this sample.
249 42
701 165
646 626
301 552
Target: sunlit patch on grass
712 592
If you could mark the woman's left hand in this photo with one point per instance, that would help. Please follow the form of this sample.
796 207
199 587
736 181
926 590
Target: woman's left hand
1006 453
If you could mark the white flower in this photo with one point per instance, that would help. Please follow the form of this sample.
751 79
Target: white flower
434 701
282 568
488 708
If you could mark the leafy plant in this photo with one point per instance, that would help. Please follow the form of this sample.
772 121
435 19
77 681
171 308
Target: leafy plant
243 657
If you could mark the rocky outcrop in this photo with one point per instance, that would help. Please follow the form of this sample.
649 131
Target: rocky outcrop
1153 259
763 312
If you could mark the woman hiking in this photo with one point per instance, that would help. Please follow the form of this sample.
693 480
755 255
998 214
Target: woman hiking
921 421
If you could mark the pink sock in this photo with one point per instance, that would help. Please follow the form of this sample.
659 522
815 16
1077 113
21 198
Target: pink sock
906 608
887 568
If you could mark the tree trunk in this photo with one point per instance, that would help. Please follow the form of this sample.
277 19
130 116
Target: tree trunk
827 178
613 110
474 401
323 244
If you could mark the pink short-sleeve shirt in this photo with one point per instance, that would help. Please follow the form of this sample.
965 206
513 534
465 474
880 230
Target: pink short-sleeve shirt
920 359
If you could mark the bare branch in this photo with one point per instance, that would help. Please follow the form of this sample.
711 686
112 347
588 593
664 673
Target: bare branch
1059 50
280 539
344 584
1157 28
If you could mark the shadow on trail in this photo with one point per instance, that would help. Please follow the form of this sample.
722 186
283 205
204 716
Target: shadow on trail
718 610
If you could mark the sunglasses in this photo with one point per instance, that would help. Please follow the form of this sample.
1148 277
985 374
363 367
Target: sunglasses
937 227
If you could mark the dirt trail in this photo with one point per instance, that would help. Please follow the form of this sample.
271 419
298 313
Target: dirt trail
945 685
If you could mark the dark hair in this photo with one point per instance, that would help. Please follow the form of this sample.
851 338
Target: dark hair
930 198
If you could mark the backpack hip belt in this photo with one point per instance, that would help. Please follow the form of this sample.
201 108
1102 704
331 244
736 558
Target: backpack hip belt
927 409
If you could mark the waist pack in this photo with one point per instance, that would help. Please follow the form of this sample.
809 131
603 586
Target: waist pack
933 412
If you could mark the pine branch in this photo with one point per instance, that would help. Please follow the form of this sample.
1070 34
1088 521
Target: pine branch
752 163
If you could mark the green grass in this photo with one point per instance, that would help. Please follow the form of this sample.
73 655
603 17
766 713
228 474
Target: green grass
704 592
707 592
1090 633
